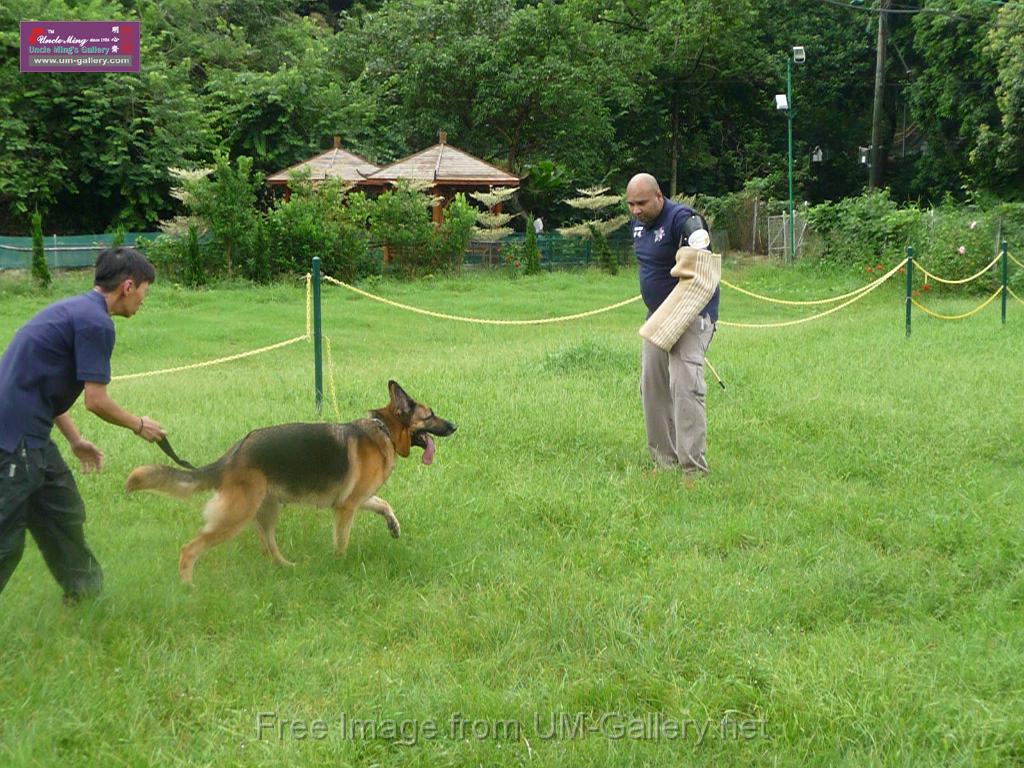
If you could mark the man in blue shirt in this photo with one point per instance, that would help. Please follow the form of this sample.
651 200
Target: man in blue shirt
61 352
671 380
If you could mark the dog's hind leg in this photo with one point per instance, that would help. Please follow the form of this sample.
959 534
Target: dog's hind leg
382 508
266 520
227 513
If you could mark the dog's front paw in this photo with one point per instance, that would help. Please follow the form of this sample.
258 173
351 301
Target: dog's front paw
394 527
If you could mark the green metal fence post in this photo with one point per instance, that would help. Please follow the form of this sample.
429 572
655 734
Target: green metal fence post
910 284
1005 280
318 361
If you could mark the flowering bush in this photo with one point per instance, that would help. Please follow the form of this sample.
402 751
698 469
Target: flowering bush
952 240
514 259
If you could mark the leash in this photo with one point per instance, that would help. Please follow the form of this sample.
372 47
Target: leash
165 446
714 372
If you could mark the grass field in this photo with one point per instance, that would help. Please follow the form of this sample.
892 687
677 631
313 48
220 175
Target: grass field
846 588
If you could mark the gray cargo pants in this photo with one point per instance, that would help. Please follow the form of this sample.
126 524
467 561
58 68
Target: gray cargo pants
672 389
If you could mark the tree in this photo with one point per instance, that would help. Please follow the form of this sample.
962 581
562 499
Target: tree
40 271
952 97
545 185
491 226
226 203
1000 147
592 201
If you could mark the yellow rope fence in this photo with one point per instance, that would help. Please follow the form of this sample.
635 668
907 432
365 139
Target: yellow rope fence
938 279
478 320
330 378
793 302
857 297
847 299
1015 260
207 363
974 311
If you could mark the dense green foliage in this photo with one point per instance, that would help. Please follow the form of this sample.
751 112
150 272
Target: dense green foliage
566 94
951 240
320 221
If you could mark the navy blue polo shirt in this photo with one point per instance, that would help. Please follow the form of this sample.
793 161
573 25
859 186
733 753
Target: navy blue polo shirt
46 365
655 247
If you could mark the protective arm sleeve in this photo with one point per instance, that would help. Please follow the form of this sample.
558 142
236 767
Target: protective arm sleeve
699 272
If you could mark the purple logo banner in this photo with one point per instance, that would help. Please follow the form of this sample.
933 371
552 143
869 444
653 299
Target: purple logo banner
80 46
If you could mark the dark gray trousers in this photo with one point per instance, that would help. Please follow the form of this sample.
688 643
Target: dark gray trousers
38 494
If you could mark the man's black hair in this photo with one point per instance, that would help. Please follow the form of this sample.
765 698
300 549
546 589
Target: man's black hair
114 265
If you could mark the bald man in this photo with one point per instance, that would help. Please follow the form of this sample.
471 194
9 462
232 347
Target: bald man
671 380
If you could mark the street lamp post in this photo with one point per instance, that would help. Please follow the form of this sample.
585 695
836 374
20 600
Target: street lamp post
789 121
798 56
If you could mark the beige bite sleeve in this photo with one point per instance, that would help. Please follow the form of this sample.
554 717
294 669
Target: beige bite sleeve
699 272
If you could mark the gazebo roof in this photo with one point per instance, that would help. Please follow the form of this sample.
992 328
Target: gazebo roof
335 163
443 164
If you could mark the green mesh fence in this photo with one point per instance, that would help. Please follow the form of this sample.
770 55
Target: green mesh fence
62 251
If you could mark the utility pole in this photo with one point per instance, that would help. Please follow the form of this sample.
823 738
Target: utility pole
877 156
673 182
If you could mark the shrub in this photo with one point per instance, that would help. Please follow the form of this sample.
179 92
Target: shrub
862 231
454 234
399 220
185 259
951 240
226 203
40 270
531 253
956 241
514 259
317 221
607 260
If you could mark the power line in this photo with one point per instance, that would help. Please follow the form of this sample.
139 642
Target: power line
909 10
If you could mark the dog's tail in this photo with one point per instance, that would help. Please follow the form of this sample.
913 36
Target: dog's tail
174 481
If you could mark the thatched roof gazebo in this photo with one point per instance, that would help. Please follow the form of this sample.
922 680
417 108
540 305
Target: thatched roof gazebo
445 169
335 163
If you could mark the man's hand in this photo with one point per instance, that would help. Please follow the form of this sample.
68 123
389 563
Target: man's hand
150 430
89 456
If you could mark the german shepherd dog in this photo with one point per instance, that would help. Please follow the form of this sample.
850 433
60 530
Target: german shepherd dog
340 466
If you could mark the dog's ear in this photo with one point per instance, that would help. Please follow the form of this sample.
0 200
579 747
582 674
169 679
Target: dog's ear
402 402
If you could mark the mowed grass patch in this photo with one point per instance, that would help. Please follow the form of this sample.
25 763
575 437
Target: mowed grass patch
845 588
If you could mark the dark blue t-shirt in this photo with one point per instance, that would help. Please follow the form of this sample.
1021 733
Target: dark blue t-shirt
46 365
655 247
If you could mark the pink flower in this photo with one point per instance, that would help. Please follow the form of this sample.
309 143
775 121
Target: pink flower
961 250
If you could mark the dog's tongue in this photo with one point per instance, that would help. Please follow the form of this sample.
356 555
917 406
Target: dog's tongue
428 452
